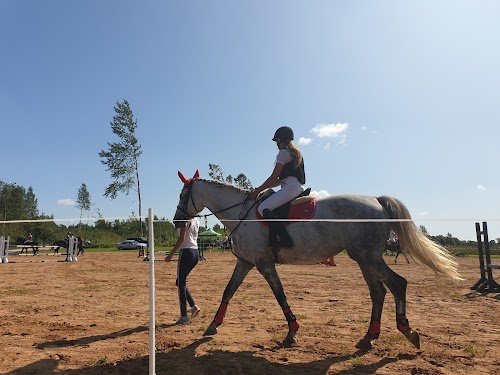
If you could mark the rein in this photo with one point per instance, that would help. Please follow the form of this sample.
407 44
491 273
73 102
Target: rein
183 209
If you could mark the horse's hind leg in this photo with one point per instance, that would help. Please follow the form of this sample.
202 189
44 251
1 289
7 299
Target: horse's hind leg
397 286
377 295
268 270
240 272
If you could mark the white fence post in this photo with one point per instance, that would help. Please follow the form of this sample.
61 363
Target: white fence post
4 249
152 321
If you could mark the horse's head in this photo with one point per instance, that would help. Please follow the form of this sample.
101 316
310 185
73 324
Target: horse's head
187 209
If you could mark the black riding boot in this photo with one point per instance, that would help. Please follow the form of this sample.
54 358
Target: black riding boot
279 229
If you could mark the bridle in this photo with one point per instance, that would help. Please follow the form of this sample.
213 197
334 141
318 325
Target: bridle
189 196
185 202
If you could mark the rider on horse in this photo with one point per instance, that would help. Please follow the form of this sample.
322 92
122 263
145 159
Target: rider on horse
290 175
393 239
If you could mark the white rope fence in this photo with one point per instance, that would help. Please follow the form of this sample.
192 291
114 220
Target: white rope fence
112 218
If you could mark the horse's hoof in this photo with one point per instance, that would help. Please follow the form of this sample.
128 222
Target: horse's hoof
364 344
413 337
211 330
290 340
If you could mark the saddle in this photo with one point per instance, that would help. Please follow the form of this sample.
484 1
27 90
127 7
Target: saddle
301 207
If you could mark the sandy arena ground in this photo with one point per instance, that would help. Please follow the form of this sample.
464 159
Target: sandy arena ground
91 317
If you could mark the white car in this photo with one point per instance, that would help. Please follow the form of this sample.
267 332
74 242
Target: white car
128 245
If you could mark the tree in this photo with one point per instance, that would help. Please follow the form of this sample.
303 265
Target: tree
30 204
122 158
423 229
215 172
83 201
17 203
241 180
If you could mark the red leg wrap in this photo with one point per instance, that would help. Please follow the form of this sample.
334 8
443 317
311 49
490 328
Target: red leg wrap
221 313
374 327
293 325
402 323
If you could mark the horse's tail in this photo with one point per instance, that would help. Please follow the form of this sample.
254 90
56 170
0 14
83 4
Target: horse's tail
416 243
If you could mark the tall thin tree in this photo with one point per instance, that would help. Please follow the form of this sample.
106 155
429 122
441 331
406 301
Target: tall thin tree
83 201
122 157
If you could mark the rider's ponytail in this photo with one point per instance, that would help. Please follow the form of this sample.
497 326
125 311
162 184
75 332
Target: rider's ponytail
296 154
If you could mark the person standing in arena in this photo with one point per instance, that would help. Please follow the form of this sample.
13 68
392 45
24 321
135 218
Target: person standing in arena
187 246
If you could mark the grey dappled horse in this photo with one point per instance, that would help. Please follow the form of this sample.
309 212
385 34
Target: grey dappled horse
317 240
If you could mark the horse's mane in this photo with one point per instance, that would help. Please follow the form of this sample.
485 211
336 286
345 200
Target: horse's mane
224 184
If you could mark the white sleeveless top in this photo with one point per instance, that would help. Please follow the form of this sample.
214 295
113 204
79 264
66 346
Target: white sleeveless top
190 241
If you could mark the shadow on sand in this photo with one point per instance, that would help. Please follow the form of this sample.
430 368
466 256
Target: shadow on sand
186 361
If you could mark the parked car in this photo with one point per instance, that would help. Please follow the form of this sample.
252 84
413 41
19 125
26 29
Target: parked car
128 245
139 239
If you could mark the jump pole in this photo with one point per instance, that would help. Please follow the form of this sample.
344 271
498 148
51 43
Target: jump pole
152 324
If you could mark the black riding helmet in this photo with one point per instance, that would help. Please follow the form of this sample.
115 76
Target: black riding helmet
285 134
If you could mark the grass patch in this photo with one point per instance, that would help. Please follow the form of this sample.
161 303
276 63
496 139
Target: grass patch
15 292
356 361
98 361
392 339
473 350
89 288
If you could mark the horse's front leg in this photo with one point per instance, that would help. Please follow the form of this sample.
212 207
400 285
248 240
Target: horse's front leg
268 270
240 272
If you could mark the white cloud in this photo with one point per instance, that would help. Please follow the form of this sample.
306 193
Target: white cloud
320 194
480 188
327 146
304 141
423 213
363 128
330 130
65 202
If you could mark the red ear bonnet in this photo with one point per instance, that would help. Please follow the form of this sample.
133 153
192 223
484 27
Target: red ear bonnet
185 180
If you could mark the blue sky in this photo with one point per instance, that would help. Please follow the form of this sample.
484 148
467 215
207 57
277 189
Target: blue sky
385 97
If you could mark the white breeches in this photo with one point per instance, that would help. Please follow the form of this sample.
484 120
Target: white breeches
290 188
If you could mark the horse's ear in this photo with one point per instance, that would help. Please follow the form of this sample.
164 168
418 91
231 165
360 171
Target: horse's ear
183 178
197 174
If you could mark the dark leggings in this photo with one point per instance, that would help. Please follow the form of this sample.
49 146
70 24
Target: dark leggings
188 258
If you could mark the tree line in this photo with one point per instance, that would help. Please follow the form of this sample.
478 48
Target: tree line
20 203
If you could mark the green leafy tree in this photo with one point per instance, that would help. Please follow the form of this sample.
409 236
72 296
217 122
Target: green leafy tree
83 201
216 173
30 204
17 203
243 182
122 157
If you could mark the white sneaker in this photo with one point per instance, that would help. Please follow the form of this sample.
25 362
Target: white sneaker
195 310
183 320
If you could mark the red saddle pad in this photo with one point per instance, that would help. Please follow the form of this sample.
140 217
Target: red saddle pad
304 210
